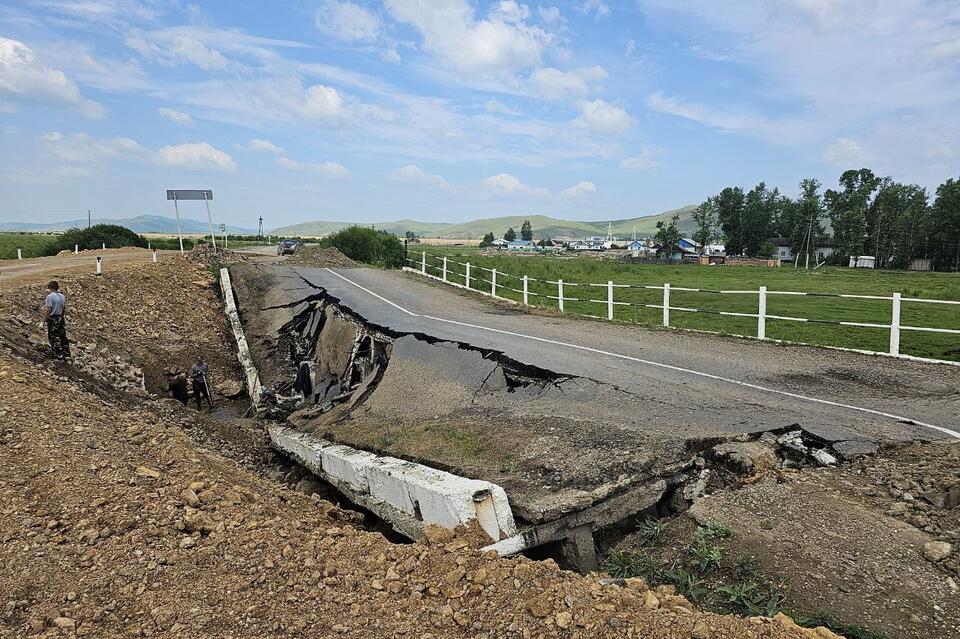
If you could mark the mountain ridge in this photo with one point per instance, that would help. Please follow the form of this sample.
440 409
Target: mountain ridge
543 226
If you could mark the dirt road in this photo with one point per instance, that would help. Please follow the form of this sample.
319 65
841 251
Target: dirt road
16 272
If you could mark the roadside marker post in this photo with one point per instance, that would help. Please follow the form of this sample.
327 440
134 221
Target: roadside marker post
103 246
467 278
610 300
762 314
560 295
423 263
99 267
525 291
76 249
19 254
895 326
444 269
493 282
666 305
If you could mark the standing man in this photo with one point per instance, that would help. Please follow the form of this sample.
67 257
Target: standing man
198 373
53 310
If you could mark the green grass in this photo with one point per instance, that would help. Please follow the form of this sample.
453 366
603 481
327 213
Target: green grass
32 245
827 279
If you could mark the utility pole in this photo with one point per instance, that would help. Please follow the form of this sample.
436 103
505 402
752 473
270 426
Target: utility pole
88 218
260 230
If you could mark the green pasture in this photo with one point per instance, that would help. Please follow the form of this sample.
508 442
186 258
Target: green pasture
578 272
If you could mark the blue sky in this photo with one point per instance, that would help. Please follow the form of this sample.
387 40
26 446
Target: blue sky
446 110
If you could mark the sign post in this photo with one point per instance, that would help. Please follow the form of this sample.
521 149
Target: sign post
191 194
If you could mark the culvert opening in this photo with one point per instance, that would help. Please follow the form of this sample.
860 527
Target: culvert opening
301 479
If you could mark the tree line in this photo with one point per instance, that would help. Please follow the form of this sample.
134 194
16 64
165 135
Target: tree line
526 233
867 215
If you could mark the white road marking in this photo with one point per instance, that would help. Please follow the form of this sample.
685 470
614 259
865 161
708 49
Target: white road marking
647 362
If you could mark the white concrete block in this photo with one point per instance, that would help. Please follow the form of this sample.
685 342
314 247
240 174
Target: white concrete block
412 490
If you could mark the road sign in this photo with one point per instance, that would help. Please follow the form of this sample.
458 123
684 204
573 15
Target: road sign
223 228
189 194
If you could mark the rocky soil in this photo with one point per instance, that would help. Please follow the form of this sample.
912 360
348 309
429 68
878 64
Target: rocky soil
317 257
115 522
872 543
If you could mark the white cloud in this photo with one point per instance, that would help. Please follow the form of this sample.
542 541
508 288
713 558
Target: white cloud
414 174
321 102
330 170
711 116
177 117
580 188
24 78
645 160
603 117
347 21
496 45
172 46
597 7
265 146
846 153
558 85
495 106
84 152
506 183
199 156
550 15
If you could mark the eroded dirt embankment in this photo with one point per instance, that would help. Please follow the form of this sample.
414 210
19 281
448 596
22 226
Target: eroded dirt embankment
115 523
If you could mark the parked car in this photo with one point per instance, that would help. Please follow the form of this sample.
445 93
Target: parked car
287 247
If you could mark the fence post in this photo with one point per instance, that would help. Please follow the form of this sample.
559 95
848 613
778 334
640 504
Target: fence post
493 282
468 275
423 263
610 300
560 295
762 314
444 268
895 326
666 305
525 291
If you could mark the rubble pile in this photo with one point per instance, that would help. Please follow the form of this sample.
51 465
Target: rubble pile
204 255
921 486
318 257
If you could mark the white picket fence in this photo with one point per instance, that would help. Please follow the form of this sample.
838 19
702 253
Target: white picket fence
427 261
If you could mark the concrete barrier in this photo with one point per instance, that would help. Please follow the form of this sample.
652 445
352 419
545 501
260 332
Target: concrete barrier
406 494
243 349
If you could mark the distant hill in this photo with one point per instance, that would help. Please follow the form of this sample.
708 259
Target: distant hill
543 226
139 224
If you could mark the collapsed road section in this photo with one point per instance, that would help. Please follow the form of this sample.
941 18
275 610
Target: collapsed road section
574 454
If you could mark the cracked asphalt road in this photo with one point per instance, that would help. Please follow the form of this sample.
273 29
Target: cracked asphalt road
695 385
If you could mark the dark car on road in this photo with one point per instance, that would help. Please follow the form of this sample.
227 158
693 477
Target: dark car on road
287 247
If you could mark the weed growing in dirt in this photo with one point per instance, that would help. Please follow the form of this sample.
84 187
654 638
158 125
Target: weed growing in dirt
651 530
821 618
714 530
687 583
628 564
704 556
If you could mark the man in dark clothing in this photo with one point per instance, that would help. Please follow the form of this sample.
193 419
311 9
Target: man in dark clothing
198 374
177 385
54 307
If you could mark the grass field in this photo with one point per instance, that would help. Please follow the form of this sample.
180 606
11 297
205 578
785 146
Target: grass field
577 272
32 244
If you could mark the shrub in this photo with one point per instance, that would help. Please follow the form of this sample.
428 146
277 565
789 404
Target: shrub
94 237
362 244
